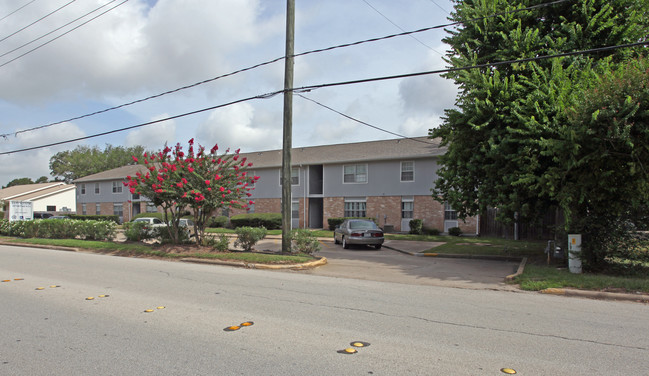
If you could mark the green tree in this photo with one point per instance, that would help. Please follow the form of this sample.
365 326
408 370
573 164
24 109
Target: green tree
199 180
19 181
503 135
87 160
42 179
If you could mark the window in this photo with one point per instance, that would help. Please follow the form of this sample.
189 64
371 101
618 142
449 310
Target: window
295 176
449 213
355 173
83 209
355 207
151 208
118 210
50 208
135 196
83 189
407 208
96 188
97 209
408 171
117 187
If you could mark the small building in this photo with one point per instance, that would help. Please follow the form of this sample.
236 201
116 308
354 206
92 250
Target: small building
54 197
389 180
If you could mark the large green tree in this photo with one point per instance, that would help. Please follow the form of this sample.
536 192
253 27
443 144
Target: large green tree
87 160
503 138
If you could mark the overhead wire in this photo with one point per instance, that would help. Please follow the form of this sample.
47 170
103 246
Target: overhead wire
15 11
400 28
371 40
61 35
37 21
297 93
333 84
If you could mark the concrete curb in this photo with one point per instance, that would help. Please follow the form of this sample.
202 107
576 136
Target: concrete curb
643 298
306 265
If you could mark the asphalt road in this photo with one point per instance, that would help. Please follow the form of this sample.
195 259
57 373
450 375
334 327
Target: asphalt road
301 322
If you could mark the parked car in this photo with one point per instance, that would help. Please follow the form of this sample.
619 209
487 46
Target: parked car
59 217
358 231
152 222
42 215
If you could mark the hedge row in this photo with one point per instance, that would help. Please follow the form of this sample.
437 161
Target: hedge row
271 221
59 229
81 217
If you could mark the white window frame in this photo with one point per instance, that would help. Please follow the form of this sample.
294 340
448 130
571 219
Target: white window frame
412 171
97 209
84 210
295 176
356 174
355 203
408 200
117 187
151 208
119 213
452 213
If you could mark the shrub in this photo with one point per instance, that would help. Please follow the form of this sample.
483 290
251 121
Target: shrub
218 222
160 216
416 226
431 231
247 237
137 231
221 245
333 222
80 217
270 221
454 231
303 240
162 233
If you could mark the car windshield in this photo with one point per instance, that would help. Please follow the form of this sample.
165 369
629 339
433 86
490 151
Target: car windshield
362 225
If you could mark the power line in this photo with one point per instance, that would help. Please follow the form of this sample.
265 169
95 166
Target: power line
360 121
400 28
37 21
57 29
2 19
6 135
353 82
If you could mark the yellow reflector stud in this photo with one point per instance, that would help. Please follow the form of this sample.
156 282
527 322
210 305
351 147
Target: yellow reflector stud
507 370
161 307
90 298
247 323
349 350
18 279
6 280
148 310
232 328
103 296
359 344
40 288
54 286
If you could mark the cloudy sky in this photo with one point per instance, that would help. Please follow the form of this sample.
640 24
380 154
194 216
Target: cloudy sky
58 63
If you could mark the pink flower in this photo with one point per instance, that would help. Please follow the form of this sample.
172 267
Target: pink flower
221 189
207 182
134 159
217 177
190 169
214 148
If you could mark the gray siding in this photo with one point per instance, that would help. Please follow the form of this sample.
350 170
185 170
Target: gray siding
105 193
383 179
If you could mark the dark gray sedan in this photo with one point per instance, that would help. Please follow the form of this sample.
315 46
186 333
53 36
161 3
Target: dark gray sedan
358 231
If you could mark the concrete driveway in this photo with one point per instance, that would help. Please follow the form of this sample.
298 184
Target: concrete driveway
390 265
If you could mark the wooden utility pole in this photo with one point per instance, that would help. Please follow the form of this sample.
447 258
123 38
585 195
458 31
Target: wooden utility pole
288 126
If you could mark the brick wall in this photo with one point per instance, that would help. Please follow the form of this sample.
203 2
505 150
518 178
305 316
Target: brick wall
386 210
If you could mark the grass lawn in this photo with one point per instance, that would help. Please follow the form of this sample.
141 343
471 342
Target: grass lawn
538 277
140 249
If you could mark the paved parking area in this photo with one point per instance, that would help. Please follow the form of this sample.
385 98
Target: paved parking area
389 265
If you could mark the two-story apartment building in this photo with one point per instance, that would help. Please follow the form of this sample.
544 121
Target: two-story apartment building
389 180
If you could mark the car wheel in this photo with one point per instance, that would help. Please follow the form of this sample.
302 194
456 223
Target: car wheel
345 245
336 240
378 246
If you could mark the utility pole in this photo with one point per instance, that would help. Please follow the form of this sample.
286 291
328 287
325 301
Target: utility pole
288 127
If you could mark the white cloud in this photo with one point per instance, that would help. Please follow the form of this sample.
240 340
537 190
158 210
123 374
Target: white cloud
35 163
419 126
236 127
154 136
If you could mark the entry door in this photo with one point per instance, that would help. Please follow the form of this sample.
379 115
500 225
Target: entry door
407 213
295 214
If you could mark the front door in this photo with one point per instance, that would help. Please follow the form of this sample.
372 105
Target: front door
407 213
295 214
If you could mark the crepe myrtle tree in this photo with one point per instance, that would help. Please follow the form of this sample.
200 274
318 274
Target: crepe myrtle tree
199 180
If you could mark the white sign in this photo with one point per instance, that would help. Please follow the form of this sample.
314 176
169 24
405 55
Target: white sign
21 211
574 253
